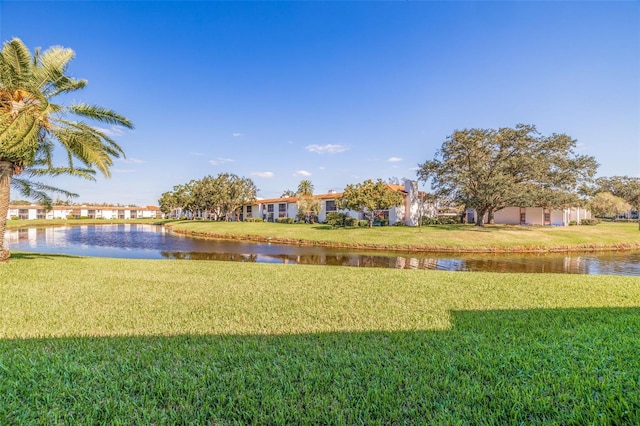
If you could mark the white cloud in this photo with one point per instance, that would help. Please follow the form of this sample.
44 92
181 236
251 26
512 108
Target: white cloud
322 167
237 134
220 160
302 173
394 159
326 149
132 160
263 174
111 131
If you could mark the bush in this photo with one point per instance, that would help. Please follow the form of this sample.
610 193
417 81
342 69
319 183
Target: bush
363 223
14 218
254 219
351 221
440 220
589 221
399 223
336 219
288 220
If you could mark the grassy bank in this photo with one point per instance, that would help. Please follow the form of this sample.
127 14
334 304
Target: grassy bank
456 238
105 340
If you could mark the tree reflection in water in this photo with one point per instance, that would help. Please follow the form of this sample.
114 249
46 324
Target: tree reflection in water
155 242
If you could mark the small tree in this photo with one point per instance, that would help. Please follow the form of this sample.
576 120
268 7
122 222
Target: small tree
370 198
308 205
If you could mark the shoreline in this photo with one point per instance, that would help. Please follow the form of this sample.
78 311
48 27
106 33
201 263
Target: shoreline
591 247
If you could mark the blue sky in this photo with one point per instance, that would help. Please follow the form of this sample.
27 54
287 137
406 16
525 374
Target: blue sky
337 92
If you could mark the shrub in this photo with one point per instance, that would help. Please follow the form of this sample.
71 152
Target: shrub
589 221
573 222
399 223
363 223
351 221
14 218
440 220
288 220
253 219
336 219
448 220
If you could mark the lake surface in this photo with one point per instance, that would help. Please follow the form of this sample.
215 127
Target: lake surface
137 241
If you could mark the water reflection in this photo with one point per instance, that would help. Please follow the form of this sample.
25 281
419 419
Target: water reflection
155 242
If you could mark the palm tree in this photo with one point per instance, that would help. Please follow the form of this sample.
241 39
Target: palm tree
31 125
308 206
305 187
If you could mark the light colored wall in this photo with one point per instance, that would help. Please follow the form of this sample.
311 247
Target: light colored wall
508 216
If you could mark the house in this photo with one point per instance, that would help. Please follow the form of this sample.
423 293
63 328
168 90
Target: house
408 212
535 216
31 212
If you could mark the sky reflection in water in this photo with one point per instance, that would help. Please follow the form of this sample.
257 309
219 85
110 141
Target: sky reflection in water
137 241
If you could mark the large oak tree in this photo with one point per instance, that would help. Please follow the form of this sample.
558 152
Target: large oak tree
489 169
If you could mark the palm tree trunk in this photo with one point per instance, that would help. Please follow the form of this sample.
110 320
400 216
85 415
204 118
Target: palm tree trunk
6 171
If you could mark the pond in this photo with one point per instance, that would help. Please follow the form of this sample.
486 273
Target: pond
137 241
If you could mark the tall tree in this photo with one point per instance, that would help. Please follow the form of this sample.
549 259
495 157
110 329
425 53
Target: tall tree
487 169
237 192
32 124
370 198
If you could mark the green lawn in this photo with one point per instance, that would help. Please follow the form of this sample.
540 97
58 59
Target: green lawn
430 238
90 340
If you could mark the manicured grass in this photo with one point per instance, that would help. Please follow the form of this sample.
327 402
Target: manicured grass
429 238
89 340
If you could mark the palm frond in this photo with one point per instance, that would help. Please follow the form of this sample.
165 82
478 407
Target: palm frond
37 191
85 173
103 115
86 147
17 58
114 149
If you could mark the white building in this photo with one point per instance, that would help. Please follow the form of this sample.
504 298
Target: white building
535 216
408 212
31 212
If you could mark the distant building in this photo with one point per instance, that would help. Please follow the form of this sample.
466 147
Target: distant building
32 212
408 212
535 216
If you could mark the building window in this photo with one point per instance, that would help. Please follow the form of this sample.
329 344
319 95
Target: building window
41 214
330 206
23 214
282 210
269 208
134 214
91 214
248 210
